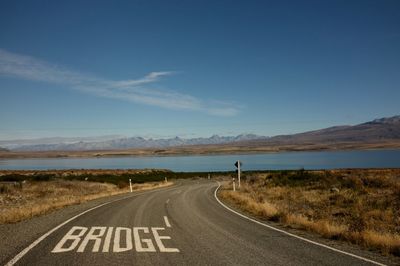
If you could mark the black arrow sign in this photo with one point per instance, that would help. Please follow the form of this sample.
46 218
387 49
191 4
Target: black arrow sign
236 164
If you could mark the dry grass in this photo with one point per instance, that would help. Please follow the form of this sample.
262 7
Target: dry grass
323 227
263 209
36 198
360 206
388 242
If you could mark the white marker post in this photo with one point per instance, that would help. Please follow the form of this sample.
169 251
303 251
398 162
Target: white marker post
234 185
208 176
166 180
130 184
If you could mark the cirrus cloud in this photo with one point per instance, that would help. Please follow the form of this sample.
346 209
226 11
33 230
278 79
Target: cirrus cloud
132 90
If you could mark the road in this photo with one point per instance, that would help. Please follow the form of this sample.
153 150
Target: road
180 225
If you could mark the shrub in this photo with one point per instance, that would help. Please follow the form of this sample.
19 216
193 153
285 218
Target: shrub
4 189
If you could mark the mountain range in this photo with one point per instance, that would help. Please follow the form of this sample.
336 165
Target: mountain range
379 133
109 143
378 130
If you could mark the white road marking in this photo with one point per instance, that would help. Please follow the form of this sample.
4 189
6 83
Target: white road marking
167 201
128 239
158 238
167 221
107 241
138 241
122 239
293 235
40 239
92 236
70 236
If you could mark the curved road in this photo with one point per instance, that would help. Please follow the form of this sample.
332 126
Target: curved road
180 225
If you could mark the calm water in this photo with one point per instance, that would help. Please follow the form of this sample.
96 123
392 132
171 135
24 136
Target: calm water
276 161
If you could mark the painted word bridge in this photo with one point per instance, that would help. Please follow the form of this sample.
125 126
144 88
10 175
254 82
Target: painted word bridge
110 239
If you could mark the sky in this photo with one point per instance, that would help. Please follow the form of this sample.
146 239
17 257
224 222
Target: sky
195 68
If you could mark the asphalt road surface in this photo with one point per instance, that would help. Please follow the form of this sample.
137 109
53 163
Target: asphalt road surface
179 225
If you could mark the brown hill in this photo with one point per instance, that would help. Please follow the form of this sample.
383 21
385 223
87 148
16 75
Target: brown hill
376 131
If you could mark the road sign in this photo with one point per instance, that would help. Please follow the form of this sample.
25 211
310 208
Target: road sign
238 164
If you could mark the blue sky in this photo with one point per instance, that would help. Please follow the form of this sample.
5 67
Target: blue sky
195 68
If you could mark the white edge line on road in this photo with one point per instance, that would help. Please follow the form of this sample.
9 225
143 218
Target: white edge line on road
167 221
40 239
290 234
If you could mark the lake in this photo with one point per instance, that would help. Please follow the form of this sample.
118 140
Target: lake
204 163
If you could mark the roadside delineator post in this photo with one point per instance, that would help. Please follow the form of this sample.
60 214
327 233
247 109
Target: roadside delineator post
234 184
208 176
166 180
130 184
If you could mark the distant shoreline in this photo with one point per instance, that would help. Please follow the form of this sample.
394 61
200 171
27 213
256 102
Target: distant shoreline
224 149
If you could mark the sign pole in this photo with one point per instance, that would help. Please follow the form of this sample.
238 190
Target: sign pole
238 164
238 173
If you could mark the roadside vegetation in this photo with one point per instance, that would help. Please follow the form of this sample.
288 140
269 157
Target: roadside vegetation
24 195
117 177
359 206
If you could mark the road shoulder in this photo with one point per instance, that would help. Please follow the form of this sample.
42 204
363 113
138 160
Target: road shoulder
336 244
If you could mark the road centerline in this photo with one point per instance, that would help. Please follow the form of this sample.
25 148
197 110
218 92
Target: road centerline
167 224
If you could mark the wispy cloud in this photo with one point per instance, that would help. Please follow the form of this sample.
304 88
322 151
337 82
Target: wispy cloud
132 90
